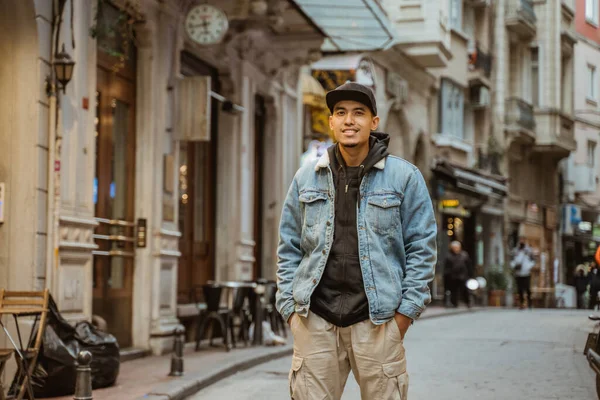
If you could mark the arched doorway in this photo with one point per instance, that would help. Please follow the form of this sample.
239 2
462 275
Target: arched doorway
399 130
420 156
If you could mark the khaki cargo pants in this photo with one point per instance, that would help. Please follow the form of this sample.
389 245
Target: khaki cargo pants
324 355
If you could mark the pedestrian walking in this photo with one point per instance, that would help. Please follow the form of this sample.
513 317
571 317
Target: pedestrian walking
594 280
459 268
582 282
357 251
522 263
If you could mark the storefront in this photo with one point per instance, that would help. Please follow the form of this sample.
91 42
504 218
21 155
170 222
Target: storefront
580 238
469 209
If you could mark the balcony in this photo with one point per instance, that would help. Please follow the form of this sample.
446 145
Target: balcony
478 3
584 178
480 68
568 6
422 30
520 121
555 133
520 18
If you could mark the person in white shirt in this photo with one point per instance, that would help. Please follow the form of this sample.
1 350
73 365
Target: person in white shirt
522 263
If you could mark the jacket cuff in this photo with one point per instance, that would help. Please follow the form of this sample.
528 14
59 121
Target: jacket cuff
411 310
287 311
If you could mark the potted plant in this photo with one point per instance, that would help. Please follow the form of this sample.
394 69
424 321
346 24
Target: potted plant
497 284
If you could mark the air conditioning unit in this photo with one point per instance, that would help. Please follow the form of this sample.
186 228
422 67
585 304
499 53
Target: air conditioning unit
480 96
397 88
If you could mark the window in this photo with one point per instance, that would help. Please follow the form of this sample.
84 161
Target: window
456 14
591 11
591 71
452 109
535 77
591 150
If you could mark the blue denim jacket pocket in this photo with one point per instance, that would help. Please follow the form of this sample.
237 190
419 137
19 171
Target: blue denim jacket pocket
383 212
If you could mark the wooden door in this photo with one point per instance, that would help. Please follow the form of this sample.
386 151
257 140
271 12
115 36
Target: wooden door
114 203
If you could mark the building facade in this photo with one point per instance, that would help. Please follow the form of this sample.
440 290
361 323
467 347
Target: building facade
534 97
164 163
580 218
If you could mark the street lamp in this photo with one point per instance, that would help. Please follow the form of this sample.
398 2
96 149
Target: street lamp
63 67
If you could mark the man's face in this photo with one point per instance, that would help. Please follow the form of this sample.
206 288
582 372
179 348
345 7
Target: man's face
455 248
352 123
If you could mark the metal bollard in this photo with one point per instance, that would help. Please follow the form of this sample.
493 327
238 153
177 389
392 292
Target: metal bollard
83 380
177 356
258 315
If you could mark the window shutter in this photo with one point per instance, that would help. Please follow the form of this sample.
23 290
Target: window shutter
193 109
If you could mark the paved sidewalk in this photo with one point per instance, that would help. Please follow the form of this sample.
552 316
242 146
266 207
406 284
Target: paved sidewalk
147 378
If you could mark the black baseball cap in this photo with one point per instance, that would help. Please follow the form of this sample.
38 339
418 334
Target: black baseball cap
352 91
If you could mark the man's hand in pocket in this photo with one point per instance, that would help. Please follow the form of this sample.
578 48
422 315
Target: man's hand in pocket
403 323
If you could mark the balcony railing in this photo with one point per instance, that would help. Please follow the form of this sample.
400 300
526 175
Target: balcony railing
480 60
519 114
520 16
526 11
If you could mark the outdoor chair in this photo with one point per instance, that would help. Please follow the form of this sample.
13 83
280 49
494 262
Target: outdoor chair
5 355
241 311
23 304
215 314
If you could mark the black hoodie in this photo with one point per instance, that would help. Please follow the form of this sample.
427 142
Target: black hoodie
340 297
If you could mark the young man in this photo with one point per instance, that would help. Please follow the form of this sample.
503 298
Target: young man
356 253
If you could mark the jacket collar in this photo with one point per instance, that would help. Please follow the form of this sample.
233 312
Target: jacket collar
324 162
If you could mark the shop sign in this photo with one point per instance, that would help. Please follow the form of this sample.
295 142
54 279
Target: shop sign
585 226
571 217
596 231
450 203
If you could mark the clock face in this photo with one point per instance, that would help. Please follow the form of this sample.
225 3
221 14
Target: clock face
206 24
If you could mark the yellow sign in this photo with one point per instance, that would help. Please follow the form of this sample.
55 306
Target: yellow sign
450 203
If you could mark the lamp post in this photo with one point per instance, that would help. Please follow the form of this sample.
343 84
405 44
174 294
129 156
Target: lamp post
63 68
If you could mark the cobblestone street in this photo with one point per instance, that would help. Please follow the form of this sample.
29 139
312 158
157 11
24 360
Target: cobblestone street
498 354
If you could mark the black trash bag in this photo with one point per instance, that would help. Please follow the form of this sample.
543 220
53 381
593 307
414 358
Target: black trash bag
54 374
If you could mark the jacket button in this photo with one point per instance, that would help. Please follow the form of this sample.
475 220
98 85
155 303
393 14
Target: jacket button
328 223
314 281
324 252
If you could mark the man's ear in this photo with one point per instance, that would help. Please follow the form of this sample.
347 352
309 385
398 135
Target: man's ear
374 123
331 122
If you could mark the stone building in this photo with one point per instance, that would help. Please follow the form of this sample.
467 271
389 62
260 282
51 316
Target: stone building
580 217
163 164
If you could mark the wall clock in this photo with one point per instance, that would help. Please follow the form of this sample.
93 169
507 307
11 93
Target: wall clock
206 24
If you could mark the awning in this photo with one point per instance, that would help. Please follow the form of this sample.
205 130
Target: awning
471 180
313 93
350 25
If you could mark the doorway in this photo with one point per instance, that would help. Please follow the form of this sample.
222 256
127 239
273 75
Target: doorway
114 196
197 200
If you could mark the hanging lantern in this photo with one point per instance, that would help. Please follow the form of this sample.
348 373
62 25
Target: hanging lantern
63 68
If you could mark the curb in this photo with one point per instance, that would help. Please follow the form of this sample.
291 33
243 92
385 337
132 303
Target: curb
184 387
181 388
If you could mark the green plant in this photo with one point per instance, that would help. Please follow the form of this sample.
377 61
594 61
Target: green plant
113 29
496 280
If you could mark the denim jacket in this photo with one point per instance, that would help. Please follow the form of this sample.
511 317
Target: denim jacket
396 233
